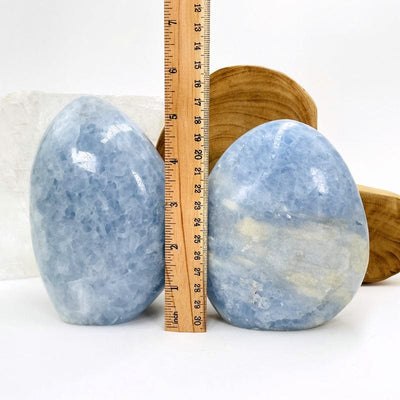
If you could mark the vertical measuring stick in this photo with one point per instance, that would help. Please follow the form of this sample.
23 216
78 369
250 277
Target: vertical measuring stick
186 29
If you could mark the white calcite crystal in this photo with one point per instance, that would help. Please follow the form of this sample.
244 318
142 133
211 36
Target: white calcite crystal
24 118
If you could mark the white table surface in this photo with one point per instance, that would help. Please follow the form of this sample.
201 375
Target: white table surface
355 356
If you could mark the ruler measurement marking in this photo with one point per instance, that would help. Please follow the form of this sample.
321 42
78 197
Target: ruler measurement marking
186 191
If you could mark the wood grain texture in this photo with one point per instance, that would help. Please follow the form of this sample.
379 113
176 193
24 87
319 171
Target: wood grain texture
243 97
382 209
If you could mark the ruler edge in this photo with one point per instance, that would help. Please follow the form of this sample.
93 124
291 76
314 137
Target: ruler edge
205 143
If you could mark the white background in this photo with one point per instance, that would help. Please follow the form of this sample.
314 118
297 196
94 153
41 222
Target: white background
346 54
354 356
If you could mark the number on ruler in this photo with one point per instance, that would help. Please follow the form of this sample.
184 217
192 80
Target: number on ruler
197 188
198 154
197 239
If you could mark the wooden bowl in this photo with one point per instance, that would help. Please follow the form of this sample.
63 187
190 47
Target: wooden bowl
243 97
383 214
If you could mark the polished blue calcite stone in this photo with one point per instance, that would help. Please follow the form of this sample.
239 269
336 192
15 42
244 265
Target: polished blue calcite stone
97 214
288 238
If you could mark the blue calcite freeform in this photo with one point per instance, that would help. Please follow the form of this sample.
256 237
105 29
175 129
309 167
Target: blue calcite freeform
288 238
97 214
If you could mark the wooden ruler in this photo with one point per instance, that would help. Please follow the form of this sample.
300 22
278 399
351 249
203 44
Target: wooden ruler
186 28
